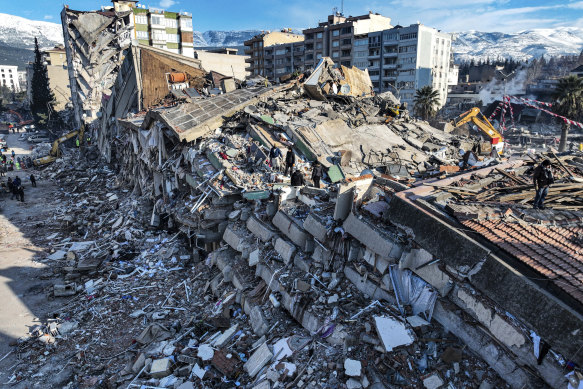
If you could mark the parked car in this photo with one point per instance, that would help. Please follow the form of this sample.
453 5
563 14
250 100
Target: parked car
3 143
32 137
40 139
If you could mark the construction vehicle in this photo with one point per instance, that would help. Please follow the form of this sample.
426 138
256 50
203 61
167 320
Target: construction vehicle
480 121
55 151
21 122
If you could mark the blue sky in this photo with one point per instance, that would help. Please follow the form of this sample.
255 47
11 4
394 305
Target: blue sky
450 15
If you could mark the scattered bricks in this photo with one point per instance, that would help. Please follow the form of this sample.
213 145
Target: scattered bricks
302 286
285 249
161 368
183 371
449 168
259 229
258 321
352 367
65 290
254 257
224 338
288 227
260 357
186 359
226 363
315 227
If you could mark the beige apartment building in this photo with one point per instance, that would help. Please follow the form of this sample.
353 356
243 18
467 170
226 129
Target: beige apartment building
255 46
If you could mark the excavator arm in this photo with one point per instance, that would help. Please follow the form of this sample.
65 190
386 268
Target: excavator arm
55 152
475 116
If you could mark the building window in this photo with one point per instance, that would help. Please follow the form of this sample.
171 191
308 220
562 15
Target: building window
335 43
159 35
186 23
360 54
157 20
280 71
346 41
142 35
141 19
346 30
390 36
412 35
335 32
319 55
309 36
172 38
319 35
280 52
361 42
335 54
319 46
374 73
346 53
171 23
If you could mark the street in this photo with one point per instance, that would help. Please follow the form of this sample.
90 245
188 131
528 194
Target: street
22 280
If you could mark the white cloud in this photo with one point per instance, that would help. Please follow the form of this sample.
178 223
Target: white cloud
48 17
167 3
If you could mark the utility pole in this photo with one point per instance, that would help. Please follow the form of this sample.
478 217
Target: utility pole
504 78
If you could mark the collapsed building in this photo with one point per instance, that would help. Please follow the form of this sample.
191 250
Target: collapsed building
362 282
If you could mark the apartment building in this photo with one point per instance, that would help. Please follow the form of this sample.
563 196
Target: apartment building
335 37
255 49
283 59
404 59
162 29
9 77
55 60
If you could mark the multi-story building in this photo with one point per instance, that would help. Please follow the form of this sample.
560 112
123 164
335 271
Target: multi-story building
9 77
335 37
224 61
55 61
283 59
255 49
171 31
404 59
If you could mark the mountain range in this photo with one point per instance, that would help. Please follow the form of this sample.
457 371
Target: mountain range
17 39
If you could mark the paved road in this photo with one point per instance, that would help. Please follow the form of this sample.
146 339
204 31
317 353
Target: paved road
23 297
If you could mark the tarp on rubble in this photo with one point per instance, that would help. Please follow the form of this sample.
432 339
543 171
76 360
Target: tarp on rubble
412 290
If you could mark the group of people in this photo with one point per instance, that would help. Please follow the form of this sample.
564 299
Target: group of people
297 177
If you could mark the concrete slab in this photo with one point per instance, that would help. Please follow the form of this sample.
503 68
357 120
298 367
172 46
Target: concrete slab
258 359
392 332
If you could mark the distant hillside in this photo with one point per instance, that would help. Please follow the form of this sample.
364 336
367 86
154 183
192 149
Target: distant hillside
15 56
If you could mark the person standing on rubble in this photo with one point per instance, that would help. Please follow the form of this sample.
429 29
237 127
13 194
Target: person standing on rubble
542 179
161 209
297 178
317 173
274 157
33 180
290 160
16 184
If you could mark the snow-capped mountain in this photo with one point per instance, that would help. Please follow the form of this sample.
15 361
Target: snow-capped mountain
522 45
223 38
20 32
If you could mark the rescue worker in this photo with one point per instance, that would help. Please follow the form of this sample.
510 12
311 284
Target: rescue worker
16 184
297 178
33 180
290 160
77 142
317 173
542 179
274 157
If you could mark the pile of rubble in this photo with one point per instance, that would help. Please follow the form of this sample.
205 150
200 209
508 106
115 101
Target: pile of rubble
196 263
146 308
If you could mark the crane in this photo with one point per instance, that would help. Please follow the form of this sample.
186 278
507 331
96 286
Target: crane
476 116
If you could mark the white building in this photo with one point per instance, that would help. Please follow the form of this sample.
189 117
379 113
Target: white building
404 59
9 77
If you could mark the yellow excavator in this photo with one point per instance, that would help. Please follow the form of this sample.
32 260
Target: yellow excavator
476 116
55 151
